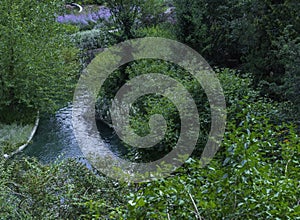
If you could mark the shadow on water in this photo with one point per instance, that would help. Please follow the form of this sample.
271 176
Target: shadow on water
55 139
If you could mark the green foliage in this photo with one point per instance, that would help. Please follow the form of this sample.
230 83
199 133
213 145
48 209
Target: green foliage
91 42
128 16
289 55
151 12
40 64
12 136
149 105
255 174
248 35
256 179
124 14
160 30
62 190
267 21
153 104
237 90
205 26
91 39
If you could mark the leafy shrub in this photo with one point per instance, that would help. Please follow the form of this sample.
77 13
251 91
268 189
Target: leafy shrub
40 66
289 55
160 30
62 190
150 105
152 12
205 26
129 16
254 176
244 35
91 42
91 39
237 90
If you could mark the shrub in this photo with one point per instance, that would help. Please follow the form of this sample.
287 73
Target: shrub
86 20
244 35
254 176
40 66
129 16
91 39
289 55
160 30
205 26
149 105
237 89
62 190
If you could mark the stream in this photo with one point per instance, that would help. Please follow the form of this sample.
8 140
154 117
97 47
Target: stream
55 140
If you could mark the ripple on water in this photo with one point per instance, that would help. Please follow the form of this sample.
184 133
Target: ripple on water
55 138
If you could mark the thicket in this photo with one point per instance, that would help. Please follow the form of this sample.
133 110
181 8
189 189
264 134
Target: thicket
38 62
260 37
255 175
256 170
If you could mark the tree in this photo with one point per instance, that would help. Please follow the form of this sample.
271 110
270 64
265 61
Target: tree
205 26
247 35
128 16
38 62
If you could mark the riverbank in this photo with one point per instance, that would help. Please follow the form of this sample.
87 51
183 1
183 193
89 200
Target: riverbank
15 137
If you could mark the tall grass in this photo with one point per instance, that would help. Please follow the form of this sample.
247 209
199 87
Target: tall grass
13 136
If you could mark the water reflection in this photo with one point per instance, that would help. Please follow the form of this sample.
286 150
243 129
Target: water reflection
55 138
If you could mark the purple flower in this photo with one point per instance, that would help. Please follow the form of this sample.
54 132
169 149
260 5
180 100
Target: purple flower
103 13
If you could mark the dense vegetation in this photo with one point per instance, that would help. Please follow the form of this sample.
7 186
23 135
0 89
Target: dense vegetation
260 37
254 48
38 63
13 136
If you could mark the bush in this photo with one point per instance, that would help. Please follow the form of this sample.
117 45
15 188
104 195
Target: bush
40 66
237 89
289 55
153 104
254 175
62 190
134 15
244 35
91 39
161 30
205 26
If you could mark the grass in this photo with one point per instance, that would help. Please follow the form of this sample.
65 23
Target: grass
13 136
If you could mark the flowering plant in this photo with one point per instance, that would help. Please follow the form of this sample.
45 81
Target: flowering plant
85 18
